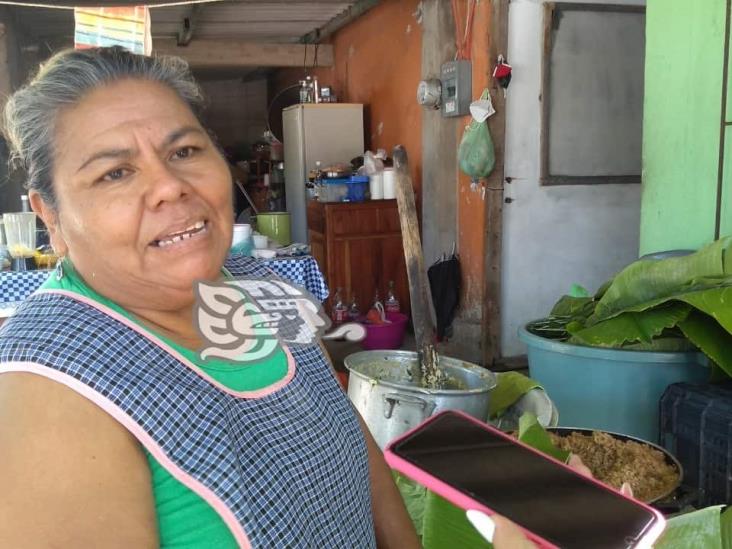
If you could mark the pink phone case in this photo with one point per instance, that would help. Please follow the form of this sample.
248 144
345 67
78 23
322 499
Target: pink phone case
463 501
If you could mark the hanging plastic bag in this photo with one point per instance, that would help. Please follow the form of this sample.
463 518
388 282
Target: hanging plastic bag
476 155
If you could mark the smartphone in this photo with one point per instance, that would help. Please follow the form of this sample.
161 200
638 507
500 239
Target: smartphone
476 466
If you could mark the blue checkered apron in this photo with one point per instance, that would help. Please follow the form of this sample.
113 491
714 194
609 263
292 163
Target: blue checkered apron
291 465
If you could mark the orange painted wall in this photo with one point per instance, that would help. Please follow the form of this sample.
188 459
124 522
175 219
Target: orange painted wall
470 204
378 61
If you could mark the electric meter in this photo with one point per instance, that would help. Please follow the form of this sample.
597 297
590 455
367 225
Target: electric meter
429 92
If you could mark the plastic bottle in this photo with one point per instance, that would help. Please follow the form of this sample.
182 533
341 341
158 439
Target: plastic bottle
392 303
377 300
353 312
24 203
339 312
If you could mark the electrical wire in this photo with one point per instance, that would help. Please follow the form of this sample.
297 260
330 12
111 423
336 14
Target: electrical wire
463 36
272 103
305 57
455 19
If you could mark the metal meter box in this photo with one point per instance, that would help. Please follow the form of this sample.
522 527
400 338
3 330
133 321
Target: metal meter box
457 87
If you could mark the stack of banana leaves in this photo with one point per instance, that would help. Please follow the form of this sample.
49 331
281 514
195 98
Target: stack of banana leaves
674 304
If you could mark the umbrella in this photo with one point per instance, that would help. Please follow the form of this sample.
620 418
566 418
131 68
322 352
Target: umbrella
444 277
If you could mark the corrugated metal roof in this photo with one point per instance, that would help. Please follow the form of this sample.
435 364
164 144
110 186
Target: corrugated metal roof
273 21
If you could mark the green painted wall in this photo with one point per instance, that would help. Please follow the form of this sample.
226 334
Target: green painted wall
681 120
725 220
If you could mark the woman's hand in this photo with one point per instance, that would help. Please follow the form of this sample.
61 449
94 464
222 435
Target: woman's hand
576 463
509 536
499 531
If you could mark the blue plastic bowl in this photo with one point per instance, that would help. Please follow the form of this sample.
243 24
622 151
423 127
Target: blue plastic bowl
609 389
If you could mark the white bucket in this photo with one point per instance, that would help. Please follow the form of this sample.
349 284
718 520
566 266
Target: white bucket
376 186
389 183
241 233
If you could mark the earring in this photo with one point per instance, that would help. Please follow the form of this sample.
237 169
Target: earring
59 269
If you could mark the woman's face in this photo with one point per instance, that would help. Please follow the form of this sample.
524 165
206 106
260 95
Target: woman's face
144 197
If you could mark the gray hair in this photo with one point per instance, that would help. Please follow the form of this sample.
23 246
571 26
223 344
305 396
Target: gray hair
31 112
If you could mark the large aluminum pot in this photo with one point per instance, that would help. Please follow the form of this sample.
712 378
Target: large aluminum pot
380 386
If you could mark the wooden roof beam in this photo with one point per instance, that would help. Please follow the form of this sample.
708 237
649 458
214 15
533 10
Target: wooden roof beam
231 53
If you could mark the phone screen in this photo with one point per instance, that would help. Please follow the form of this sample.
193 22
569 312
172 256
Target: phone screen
554 503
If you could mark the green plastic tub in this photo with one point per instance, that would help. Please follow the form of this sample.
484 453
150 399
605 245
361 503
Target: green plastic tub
609 389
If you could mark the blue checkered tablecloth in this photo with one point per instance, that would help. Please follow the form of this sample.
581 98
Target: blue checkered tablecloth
15 287
303 270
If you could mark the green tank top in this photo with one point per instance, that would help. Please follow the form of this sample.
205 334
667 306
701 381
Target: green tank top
185 520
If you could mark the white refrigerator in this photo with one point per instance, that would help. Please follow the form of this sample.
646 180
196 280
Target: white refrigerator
325 132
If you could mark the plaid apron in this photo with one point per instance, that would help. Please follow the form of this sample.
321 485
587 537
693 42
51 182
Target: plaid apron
285 468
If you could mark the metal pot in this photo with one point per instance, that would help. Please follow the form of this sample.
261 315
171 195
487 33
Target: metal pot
380 386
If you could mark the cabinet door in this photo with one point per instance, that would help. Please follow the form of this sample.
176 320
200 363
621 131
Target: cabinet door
365 264
393 267
355 268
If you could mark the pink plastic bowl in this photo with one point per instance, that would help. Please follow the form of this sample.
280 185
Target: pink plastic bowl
385 336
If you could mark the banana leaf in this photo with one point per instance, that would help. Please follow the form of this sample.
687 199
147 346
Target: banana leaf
510 387
414 496
708 326
655 281
532 433
707 334
630 327
570 306
701 528
578 291
653 304
665 345
725 521
447 527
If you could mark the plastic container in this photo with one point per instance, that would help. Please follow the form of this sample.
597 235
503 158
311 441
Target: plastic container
276 226
333 190
260 241
385 336
376 186
389 183
358 187
241 232
241 242
20 234
609 389
696 426
353 189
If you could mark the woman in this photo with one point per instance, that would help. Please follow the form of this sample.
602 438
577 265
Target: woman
113 431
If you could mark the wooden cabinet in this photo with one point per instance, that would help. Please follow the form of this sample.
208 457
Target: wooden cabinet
358 246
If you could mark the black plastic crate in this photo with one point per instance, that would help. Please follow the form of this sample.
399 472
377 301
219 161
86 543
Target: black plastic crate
696 426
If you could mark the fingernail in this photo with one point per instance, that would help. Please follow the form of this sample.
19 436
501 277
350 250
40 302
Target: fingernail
483 523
